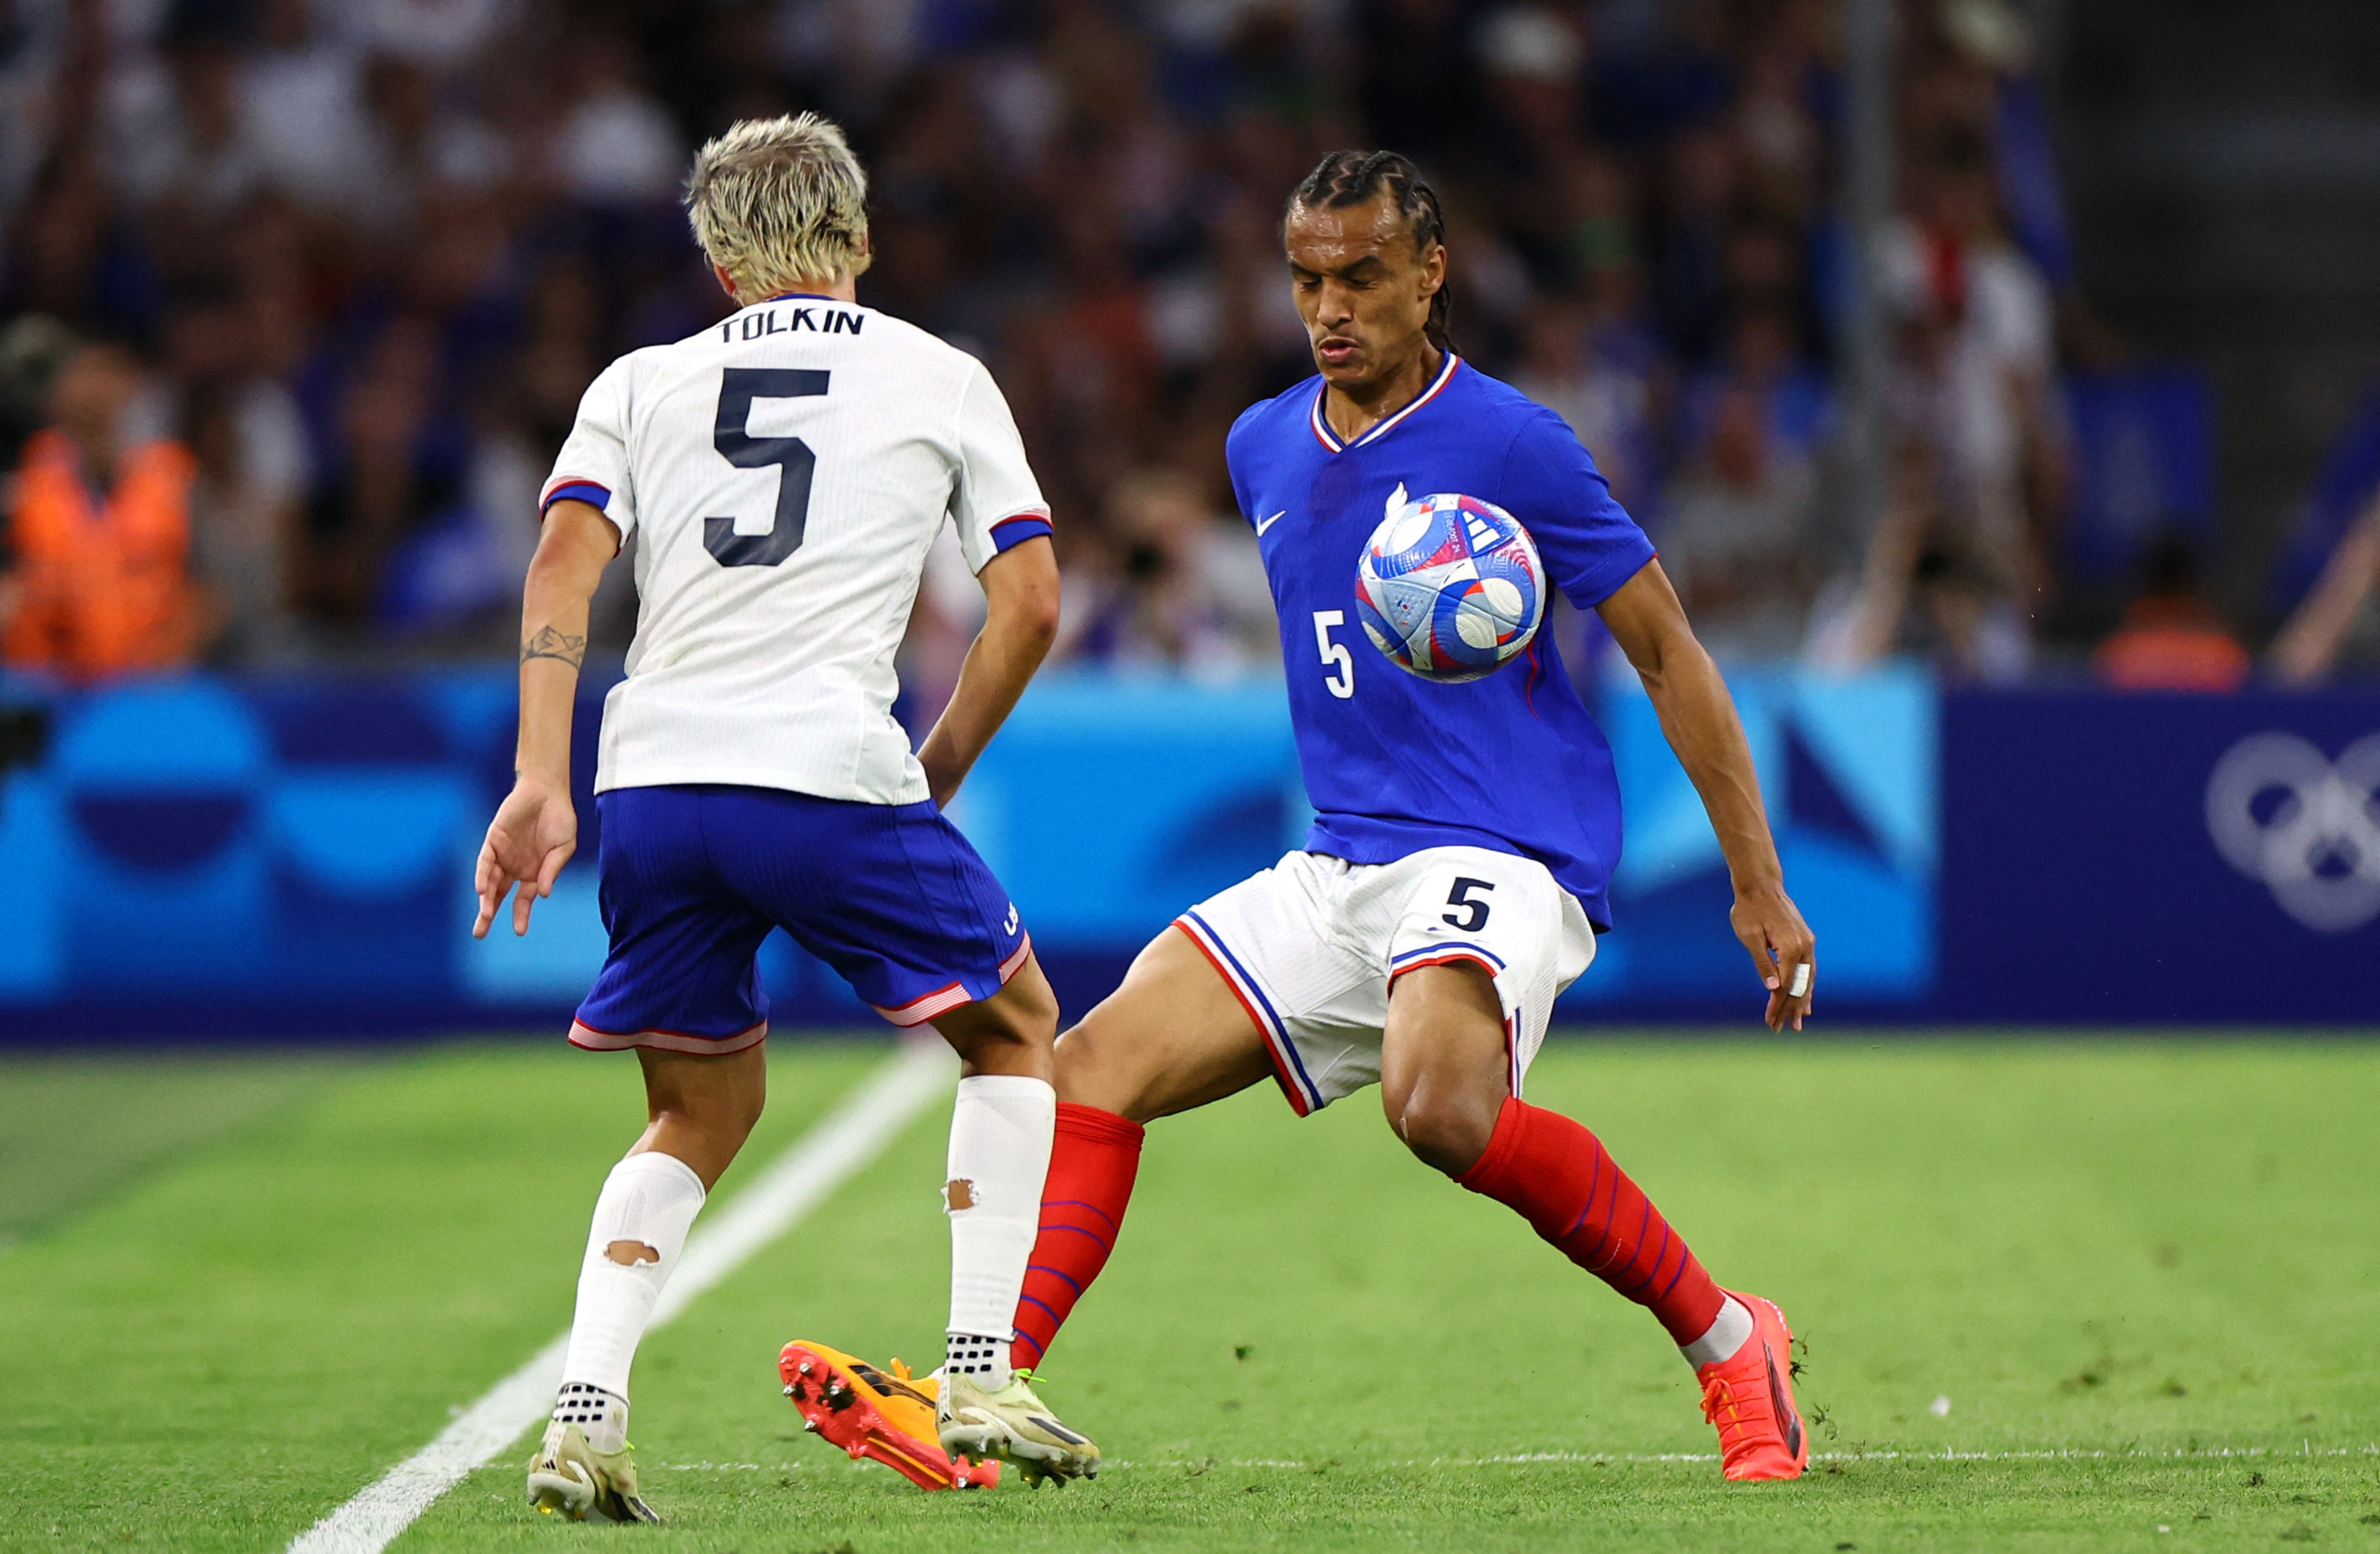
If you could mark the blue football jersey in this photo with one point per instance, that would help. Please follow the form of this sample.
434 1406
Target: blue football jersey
1394 763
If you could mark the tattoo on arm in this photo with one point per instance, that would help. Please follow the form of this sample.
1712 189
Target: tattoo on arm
551 644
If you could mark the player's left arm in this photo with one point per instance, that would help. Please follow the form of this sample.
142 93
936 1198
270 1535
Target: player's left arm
536 830
1020 586
1698 717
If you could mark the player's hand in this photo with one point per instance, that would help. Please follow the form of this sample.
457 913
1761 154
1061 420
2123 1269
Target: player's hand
533 836
1783 951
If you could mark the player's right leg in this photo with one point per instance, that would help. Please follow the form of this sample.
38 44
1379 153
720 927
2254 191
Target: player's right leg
894 898
1001 1134
1170 1038
677 989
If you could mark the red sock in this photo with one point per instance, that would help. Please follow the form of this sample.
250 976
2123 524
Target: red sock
1560 1178
1092 1161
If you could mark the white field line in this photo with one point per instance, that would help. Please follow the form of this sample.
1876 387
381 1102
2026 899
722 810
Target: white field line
1525 1458
797 1182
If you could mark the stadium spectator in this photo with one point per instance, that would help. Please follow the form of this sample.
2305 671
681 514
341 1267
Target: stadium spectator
2170 639
243 540
424 222
99 534
1191 589
1923 590
2339 620
1978 352
1582 368
1736 529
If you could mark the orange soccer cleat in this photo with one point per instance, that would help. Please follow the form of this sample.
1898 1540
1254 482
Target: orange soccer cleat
1750 1397
889 1418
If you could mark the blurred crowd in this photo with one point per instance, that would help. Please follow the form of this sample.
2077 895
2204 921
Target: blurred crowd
297 298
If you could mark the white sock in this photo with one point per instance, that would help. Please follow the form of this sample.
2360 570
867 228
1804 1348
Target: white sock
602 1417
999 1156
646 1205
1722 1338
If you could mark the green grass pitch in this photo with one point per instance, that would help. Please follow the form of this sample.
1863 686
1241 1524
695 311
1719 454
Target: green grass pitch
2146 1277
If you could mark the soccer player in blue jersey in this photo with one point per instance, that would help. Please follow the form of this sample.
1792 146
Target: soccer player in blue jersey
1457 871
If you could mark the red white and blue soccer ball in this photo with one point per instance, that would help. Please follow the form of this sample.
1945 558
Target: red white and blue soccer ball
1450 587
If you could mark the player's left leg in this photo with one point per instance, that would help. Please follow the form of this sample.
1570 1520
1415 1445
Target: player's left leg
894 898
1462 1024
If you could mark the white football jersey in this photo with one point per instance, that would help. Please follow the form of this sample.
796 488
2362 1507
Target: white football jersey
784 473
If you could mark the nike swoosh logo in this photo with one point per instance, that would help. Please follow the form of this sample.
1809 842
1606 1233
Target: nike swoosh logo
1263 524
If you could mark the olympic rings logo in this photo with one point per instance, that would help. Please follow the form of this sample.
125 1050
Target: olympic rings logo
2309 828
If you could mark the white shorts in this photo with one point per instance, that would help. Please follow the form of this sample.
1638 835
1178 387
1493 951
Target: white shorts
1311 945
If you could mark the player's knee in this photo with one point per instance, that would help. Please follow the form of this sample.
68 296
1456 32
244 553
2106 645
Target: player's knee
1444 1126
1025 1014
725 1113
1078 1071
1009 1032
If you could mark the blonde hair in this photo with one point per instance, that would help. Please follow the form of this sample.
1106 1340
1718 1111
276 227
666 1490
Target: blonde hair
777 202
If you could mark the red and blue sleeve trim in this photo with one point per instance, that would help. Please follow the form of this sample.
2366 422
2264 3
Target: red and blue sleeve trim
1017 527
572 490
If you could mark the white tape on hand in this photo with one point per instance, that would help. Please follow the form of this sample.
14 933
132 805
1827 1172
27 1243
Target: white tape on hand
1801 979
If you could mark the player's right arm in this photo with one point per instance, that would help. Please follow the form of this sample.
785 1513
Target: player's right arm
536 830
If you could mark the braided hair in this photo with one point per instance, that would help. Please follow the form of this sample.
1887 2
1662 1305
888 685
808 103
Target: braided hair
1345 178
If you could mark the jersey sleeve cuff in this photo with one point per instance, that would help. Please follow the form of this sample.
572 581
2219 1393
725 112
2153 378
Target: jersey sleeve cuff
573 489
1609 578
1017 527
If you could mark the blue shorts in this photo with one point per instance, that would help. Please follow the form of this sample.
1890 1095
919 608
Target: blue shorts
694 877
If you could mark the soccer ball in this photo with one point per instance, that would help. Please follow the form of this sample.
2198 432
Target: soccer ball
1450 587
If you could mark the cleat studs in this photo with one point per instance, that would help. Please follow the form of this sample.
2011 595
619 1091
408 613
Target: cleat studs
805 1368
810 1424
791 1392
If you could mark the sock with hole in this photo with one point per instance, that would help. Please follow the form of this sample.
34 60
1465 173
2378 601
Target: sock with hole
1001 1129
641 1219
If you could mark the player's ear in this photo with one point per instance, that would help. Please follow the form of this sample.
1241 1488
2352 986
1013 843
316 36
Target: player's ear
1433 270
726 282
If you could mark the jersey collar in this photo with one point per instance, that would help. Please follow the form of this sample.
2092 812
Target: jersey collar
1380 429
797 295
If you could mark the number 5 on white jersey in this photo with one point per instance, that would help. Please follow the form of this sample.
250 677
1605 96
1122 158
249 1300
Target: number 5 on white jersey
1339 668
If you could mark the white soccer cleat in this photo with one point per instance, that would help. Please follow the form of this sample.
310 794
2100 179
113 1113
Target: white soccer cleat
569 1478
1014 1426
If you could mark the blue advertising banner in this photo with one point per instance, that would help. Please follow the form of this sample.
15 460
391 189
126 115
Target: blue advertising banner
2161 859
198 858
1848 774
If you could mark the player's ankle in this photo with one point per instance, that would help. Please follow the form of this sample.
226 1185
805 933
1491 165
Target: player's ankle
1727 1335
981 1358
601 1415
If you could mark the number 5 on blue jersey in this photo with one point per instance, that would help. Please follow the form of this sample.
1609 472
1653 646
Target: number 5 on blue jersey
1339 666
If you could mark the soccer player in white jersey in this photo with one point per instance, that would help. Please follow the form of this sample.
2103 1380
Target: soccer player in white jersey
783 473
